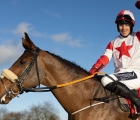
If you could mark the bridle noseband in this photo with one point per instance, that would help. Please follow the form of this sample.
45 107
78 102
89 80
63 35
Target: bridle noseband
22 77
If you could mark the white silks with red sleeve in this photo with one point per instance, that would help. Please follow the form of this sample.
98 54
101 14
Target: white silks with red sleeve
124 50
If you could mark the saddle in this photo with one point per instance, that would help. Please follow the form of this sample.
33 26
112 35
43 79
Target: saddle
124 104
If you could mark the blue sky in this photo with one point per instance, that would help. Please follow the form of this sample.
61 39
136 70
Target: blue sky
77 30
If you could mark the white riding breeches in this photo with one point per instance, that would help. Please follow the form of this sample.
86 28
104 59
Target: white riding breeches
129 77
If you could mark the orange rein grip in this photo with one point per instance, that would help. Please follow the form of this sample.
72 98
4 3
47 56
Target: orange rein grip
79 80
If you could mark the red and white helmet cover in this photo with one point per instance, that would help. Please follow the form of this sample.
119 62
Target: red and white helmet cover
125 15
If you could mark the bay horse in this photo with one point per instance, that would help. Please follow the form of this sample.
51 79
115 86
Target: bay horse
36 66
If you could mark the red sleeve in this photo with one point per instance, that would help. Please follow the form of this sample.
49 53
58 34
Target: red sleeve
102 61
100 64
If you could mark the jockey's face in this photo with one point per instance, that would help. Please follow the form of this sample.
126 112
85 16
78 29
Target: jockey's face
124 29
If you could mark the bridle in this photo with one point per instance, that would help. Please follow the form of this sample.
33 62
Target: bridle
22 77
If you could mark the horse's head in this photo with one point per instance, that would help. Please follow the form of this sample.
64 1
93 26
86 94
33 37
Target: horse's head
14 80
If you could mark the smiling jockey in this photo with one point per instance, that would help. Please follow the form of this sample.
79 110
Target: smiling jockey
125 50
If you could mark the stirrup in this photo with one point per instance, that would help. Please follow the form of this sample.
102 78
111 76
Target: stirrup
123 104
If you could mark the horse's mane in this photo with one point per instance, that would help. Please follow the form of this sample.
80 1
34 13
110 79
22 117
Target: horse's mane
68 62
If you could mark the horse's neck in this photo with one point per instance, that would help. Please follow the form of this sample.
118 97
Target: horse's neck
72 97
77 96
61 70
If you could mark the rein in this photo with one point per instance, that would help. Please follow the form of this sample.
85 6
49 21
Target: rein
47 89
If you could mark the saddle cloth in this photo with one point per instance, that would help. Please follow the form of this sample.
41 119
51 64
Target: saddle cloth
125 104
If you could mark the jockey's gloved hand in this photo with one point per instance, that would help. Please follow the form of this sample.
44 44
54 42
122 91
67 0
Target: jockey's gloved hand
137 4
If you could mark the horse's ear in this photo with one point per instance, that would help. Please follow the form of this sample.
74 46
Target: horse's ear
27 43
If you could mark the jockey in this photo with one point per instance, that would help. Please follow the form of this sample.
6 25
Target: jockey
125 50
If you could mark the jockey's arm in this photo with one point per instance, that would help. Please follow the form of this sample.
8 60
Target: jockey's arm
103 60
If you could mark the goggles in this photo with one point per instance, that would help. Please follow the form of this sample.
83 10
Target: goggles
127 17
124 17
123 22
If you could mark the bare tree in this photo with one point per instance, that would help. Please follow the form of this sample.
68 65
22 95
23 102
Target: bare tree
45 111
12 116
3 111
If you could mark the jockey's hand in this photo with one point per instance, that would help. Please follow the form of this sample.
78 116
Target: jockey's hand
137 4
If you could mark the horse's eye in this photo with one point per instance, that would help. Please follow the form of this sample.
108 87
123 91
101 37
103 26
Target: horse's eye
21 62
